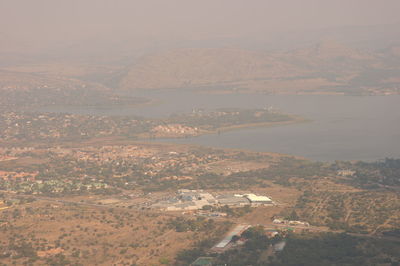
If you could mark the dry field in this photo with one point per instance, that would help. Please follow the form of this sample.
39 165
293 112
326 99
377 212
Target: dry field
38 231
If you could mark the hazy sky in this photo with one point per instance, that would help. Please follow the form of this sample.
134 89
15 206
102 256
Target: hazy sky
46 23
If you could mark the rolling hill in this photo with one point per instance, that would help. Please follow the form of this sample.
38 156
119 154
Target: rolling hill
327 67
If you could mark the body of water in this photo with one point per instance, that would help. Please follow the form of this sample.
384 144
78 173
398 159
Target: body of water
341 127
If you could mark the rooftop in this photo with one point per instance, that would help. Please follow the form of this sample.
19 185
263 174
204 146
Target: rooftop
255 198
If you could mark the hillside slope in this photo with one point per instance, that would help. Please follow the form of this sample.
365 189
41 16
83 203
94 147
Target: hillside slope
327 67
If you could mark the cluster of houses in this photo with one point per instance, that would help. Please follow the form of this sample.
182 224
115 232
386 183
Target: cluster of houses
10 175
346 172
174 130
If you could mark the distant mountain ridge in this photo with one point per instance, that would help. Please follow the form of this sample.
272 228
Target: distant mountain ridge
202 67
328 67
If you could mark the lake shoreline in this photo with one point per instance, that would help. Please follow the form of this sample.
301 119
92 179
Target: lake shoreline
294 119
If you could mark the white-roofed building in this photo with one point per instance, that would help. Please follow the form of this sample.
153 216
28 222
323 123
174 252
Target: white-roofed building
258 200
233 200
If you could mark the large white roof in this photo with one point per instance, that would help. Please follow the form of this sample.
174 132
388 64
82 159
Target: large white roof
255 198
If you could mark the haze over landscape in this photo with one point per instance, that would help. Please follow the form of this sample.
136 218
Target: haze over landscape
176 132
